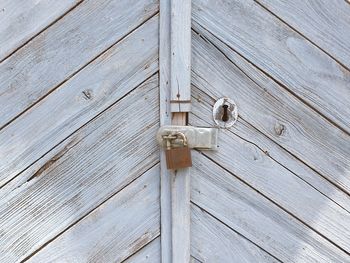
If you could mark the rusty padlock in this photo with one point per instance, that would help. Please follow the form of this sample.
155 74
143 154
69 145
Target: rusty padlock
177 156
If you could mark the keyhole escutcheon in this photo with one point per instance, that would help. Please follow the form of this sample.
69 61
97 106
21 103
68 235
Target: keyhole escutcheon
225 112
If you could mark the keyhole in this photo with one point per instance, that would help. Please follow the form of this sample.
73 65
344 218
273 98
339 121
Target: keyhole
225 115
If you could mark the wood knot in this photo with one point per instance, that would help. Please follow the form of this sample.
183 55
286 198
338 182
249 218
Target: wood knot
87 94
279 129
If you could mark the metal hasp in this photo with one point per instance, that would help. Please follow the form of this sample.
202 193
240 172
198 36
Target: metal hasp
197 137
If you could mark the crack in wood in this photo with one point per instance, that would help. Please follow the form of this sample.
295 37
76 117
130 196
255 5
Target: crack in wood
47 165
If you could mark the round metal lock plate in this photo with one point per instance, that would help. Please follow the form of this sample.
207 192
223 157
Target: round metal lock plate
225 112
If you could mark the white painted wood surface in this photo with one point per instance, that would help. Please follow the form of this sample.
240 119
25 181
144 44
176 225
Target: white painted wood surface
177 69
272 110
203 105
77 101
103 160
281 186
115 230
180 55
324 22
51 58
79 172
232 201
149 254
165 119
180 207
22 20
194 260
283 54
212 241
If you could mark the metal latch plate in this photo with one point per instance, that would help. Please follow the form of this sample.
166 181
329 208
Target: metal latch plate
197 137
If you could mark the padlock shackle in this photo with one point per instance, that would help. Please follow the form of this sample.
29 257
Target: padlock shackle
182 135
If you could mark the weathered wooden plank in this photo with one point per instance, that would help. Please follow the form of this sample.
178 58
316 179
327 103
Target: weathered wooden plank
265 41
272 110
324 22
202 107
103 160
180 103
113 231
180 56
77 101
180 206
212 241
165 119
51 58
22 20
280 185
259 220
149 254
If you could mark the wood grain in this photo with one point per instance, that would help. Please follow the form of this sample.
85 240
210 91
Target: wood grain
246 211
268 107
256 168
212 241
22 20
325 22
303 69
180 26
180 206
202 107
113 231
103 160
99 85
148 254
64 49
165 119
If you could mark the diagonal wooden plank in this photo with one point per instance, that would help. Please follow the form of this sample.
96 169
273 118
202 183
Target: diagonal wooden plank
281 186
111 151
149 254
203 105
212 241
303 69
22 20
113 231
324 22
253 216
100 84
268 107
66 47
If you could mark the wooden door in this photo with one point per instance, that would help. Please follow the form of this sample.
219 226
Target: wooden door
277 189
79 163
84 87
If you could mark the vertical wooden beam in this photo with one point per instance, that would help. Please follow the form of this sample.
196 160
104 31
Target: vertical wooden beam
180 104
180 55
180 202
165 119
175 96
